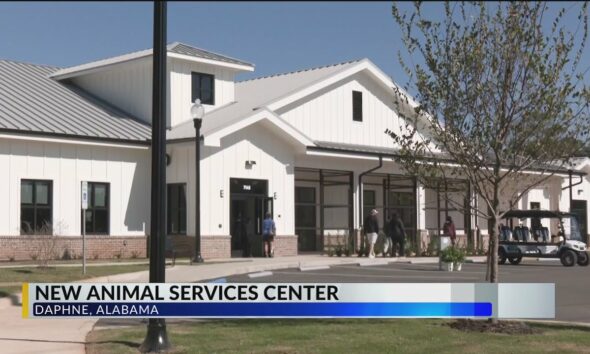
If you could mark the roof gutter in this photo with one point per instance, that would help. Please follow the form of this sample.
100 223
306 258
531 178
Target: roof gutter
444 160
98 139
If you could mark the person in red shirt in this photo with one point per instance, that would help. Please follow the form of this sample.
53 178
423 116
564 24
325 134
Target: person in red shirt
449 230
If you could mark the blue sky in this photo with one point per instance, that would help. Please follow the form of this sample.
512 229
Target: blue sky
277 37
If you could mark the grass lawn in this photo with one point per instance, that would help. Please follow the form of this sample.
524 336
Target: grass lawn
339 336
58 275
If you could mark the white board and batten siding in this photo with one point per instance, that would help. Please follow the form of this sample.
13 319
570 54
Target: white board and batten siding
274 163
181 87
327 115
67 165
128 86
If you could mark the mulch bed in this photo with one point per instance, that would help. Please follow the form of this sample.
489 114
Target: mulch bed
484 326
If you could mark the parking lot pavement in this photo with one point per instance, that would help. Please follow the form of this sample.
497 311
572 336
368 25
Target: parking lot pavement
572 284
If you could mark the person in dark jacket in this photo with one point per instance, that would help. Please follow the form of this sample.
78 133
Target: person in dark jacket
371 228
449 230
397 234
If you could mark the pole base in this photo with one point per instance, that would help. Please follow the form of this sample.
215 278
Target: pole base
156 339
198 259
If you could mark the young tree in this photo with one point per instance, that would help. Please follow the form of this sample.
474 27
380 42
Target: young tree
502 99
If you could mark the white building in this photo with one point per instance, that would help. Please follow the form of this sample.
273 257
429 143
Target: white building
298 144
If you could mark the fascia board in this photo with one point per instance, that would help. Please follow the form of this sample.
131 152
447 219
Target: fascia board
73 141
210 61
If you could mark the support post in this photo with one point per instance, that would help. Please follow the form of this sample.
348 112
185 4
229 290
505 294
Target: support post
438 225
321 240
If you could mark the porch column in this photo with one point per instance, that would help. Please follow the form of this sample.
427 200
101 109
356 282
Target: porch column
421 232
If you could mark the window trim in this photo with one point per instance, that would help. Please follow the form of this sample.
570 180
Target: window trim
168 211
199 93
92 209
34 205
356 109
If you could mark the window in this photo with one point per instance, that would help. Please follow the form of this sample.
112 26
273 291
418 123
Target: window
97 214
357 106
369 202
203 88
176 224
305 218
36 207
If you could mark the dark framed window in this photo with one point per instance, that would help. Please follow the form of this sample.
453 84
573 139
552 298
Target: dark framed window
97 214
203 88
305 218
36 207
357 106
176 221
369 201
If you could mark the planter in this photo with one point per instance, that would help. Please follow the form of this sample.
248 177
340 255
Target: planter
457 266
447 266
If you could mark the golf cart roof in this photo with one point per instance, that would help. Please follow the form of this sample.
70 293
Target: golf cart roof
535 213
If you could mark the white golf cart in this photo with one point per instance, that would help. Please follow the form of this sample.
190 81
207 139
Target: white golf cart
520 241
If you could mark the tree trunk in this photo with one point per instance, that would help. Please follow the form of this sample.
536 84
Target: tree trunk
493 243
493 248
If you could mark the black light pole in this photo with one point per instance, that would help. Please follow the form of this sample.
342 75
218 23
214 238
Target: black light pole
156 339
197 113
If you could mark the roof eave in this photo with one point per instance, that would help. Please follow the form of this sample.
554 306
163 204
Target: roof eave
238 67
100 65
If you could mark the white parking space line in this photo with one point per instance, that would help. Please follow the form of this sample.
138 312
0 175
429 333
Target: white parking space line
260 274
434 276
306 269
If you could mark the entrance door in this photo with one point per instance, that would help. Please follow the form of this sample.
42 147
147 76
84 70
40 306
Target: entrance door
580 208
248 204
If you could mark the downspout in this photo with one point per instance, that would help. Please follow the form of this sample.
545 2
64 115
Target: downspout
361 188
571 185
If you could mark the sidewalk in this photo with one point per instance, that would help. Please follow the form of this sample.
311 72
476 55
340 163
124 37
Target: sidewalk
18 335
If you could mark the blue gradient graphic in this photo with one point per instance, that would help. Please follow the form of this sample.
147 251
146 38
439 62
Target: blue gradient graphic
274 309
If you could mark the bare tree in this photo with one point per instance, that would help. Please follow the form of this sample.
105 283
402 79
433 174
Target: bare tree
502 99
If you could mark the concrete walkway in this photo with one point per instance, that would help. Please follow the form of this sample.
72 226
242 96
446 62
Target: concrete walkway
18 335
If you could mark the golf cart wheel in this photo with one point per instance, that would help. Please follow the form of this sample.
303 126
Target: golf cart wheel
568 258
501 256
583 259
515 260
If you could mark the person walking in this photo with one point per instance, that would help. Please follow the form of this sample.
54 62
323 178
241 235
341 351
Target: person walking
268 235
449 230
397 234
371 228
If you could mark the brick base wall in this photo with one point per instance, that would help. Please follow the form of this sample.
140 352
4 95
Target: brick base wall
475 242
31 248
211 246
285 245
215 247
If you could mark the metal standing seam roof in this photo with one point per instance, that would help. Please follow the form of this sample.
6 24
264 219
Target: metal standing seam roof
32 102
181 48
254 94
176 47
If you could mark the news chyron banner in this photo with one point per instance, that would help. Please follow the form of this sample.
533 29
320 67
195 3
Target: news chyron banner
247 300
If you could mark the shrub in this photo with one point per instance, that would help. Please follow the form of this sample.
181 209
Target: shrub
452 255
67 255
